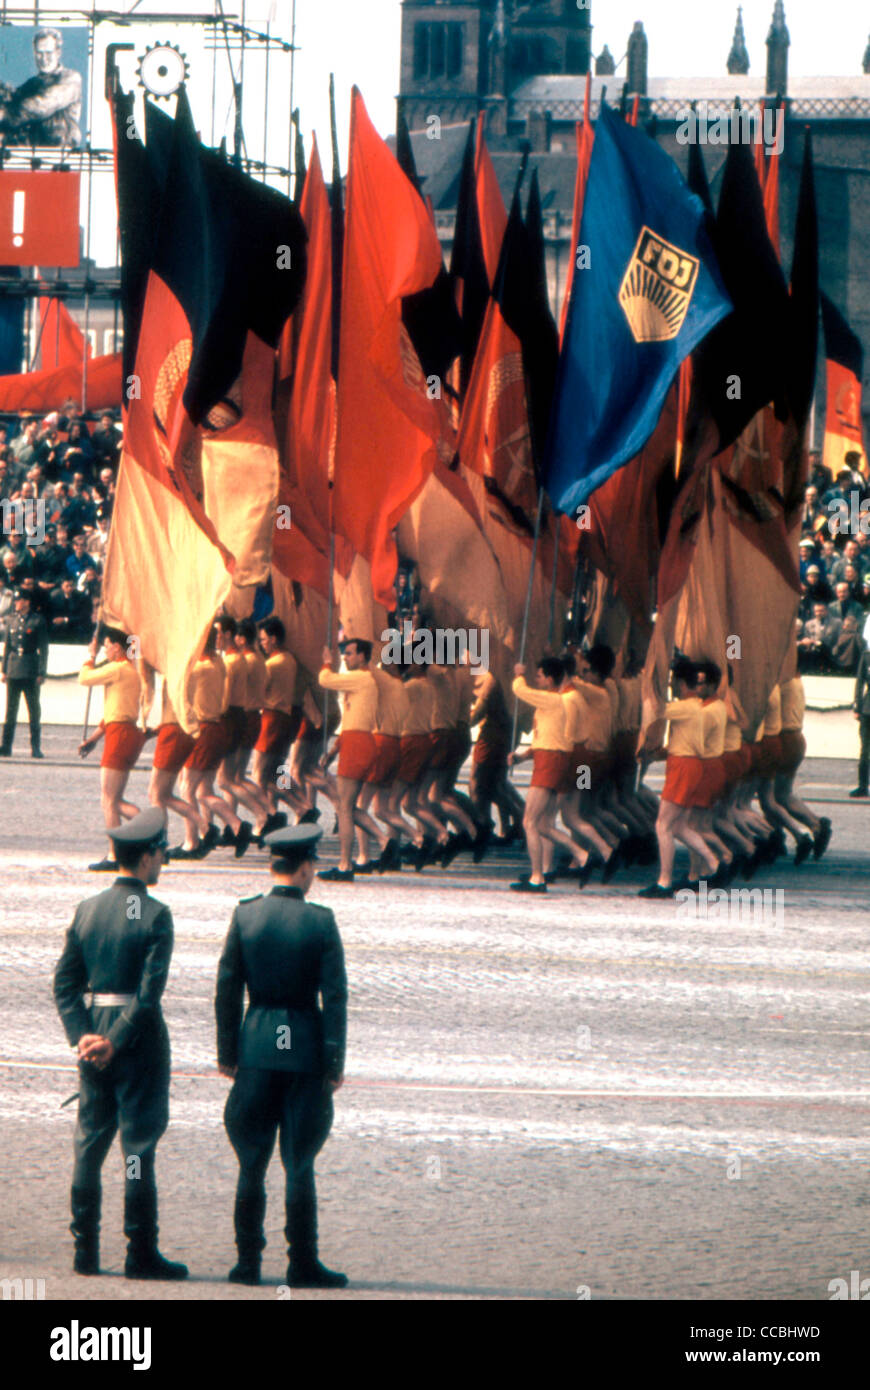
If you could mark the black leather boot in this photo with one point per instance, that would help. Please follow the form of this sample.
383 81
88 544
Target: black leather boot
144 1260
85 1226
250 1240
305 1270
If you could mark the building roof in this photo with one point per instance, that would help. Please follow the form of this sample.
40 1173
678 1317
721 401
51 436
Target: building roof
562 94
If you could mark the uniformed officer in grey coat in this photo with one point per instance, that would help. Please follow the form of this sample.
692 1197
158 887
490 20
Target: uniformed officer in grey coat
107 987
25 660
287 1057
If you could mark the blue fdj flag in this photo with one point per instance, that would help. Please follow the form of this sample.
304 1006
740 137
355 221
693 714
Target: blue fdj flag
652 290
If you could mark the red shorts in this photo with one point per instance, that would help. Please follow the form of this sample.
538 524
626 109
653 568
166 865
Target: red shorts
308 732
415 752
235 727
491 749
736 762
441 744
277 731
173 748
684 780
793 747
715 781
766 760
551 769
387 760
122 745
210 747
600 765
357 752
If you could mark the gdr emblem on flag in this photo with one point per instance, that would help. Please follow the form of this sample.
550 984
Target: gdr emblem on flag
657 288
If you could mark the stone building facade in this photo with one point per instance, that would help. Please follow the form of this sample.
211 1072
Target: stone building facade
523 66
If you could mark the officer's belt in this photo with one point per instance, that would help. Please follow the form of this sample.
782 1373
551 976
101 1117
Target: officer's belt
108 1001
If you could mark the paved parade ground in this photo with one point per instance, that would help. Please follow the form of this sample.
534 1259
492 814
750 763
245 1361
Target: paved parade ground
585 1095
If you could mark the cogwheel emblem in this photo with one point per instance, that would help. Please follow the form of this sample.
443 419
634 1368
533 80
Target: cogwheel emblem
163 68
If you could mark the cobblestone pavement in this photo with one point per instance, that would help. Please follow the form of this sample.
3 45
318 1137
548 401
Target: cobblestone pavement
581 1092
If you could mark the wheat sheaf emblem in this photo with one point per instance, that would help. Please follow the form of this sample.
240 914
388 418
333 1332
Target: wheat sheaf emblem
657 288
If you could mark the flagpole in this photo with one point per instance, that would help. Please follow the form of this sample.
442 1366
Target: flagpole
528 606
552 625
336 193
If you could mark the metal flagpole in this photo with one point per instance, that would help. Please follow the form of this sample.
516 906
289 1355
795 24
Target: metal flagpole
336 192
528 607
552 623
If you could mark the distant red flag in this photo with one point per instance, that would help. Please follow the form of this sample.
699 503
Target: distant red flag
44 391
490 205
844 432
386 422
61 342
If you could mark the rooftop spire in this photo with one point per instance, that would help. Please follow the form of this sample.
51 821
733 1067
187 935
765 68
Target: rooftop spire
738 58
777 52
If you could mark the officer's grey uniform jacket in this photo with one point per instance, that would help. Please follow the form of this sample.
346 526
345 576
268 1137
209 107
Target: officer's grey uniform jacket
286 952
25 655
120 942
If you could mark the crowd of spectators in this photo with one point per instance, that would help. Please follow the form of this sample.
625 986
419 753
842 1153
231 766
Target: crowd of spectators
57 490
835 569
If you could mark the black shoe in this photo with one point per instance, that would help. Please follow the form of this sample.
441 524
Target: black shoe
367 868
179 852
278 819
309 817
245 1273
655 890
455 845
859 791
524 885
822 838
336 875
389 857
85 1227
244 836
104 866
408 854
722 875
612 864
150 1264
36 753
5 752
427 853
804 848
315 1276
227 839
86 1262
481 843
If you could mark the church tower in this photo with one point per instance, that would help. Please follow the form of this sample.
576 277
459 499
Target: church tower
738 58
777 53
459 54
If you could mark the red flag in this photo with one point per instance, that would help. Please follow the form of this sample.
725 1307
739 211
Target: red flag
44 391
386 422
490 205
61 343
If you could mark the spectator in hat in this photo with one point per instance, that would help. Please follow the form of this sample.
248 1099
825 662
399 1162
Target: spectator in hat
818 590
816 640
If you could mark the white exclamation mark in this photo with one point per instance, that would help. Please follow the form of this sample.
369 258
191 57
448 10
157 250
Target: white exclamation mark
18 218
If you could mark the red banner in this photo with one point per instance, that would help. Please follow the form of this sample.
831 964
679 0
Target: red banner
39 219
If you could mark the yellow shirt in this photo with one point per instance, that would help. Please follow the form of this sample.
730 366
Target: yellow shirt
255 692
418 706
793 703
629 704
714 724
236 682
446 702
360 703
280 690
686 733
206 690
575 714
773 713
549 727
123 688
597 718
391 703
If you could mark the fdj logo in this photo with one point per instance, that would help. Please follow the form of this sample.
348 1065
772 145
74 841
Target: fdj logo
657 288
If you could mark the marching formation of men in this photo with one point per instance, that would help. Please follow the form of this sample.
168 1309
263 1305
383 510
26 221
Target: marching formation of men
405 733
